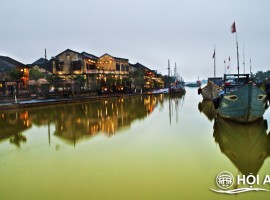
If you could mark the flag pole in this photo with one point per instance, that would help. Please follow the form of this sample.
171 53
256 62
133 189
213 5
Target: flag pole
225 65
250 69
233 30
237 57
215 64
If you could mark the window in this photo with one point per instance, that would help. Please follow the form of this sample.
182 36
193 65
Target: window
59 66
77 65
117 67
90 66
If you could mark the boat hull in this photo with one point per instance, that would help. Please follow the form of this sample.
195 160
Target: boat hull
246 104
177 91
210 91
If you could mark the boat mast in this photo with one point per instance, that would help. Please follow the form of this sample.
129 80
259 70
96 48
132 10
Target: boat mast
225 66
214 63
250 69
244 62
175 70
169 67
233 30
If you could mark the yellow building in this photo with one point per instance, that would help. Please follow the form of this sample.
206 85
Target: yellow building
117 67
95 70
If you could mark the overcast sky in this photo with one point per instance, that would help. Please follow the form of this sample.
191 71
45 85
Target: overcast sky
146 31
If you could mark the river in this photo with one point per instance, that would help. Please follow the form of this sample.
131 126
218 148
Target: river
139 147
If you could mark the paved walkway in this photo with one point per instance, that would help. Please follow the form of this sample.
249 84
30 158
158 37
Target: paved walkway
10 103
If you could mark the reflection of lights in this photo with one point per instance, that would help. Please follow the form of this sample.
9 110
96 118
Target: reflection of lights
24 115
78 120
27 123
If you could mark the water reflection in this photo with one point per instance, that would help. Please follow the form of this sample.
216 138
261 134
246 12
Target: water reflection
246 145
12 125
207 108
79 121
175 102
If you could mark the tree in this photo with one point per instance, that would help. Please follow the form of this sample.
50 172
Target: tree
138 77
261 76
15 74
80 80
168 80
35 74
110 82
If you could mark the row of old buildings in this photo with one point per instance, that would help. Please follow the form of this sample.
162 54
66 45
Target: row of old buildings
94 70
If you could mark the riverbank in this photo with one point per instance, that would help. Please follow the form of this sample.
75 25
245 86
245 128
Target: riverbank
10 104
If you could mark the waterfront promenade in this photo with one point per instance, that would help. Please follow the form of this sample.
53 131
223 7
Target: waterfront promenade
10 104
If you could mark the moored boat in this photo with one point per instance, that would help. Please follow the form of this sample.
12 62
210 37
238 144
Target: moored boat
241 101
210 91
177 88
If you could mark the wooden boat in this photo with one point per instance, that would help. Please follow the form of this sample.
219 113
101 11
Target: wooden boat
246 145
210 91
241 101
177 88
207 107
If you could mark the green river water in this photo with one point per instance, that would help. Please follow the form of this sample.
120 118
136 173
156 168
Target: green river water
140 147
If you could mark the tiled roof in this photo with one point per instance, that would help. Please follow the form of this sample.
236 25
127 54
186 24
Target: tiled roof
67 50
7 62
90 56
43 63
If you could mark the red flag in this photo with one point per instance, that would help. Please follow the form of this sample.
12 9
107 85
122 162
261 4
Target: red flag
233 28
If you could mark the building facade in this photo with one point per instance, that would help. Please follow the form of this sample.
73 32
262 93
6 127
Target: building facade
94 70
14 75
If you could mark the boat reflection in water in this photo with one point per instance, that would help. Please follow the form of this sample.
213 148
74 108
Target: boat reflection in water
246 145
175 101
79 121
207 108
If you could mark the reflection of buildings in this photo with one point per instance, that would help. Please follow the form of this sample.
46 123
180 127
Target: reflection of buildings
106 117
12 124
207 107
246 145
79 121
